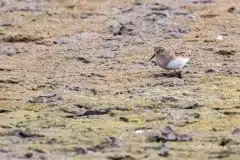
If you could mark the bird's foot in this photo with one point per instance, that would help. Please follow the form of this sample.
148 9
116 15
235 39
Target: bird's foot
179 74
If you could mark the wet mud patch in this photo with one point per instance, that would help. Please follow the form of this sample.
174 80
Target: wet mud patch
10 50
24 134
9 81
121 157
108 143
225 52
47 99
148 20
81 59
167 134
21 38
89 113
4 111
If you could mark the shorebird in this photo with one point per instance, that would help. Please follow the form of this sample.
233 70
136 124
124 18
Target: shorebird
168 60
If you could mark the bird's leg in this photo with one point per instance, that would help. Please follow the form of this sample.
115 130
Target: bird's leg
180 74
175 73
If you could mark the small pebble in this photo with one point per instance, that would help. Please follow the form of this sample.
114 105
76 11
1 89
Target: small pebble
28 155
219 38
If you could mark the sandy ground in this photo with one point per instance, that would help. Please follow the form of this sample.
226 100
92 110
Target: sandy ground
76 83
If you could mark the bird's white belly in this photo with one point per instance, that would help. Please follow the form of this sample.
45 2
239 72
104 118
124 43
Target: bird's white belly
177 63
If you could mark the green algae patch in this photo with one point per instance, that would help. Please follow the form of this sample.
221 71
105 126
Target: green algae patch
222 91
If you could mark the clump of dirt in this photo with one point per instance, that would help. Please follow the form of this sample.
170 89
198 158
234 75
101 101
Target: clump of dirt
21 38
226 52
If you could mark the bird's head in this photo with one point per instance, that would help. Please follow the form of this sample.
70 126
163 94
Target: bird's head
157 51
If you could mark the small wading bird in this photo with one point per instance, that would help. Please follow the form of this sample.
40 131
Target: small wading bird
168 60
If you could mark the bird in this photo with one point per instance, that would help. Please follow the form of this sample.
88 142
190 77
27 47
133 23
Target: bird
168 60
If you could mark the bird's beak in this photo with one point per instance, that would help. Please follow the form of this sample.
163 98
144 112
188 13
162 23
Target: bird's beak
152 57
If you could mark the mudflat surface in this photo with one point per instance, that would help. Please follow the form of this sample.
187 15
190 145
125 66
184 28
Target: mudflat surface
76 83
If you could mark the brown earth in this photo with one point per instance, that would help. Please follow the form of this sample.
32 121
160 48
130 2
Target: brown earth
76 83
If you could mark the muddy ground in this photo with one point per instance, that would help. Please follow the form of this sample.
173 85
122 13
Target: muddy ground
76 83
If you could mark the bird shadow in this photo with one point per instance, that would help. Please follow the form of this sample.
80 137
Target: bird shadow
172 74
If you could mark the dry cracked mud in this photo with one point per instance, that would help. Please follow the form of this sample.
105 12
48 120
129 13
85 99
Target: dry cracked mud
76 83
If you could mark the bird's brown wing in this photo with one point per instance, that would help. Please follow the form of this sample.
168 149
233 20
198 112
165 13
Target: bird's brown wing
166 58
179 53
170 56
